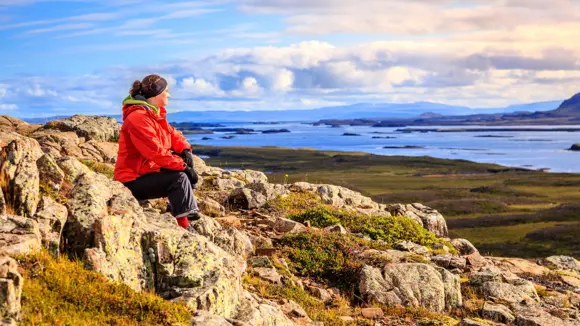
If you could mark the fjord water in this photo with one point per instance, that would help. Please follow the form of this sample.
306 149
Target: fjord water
533 150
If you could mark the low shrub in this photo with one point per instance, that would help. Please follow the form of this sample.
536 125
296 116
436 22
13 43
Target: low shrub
61 292
98 167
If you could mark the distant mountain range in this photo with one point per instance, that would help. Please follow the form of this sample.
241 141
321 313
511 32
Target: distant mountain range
567 113
354 111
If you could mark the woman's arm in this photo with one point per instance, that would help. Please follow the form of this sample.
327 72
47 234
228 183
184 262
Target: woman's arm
144 137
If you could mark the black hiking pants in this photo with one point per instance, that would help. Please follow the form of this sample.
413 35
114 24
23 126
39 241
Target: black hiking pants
174 185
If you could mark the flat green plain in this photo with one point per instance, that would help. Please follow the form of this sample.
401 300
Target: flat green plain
504 211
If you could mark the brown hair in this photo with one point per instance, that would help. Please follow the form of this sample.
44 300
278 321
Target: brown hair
150 86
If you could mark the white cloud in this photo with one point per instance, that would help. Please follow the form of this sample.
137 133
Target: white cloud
200 87
8 106
39 91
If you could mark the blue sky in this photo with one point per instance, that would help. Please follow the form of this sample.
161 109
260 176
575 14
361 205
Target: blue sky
67 57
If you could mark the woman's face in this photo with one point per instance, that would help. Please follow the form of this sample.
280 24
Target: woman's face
161 99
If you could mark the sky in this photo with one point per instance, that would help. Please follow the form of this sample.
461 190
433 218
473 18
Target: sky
81 56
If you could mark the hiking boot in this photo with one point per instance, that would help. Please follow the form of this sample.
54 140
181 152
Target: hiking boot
194 216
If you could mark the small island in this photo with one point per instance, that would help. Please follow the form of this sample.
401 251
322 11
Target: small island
404 147
350 134
275 131
575 148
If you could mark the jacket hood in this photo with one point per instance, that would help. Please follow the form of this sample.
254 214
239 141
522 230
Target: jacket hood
131 104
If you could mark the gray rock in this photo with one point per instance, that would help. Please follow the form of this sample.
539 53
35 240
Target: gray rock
261 242
288 226
72 168
18 235
411 285
427 217
251 176
211 207
268 274
21 179
337 228
512 293
412 247
51 218
497 312
562 263
464 247
269 191
484 276
259 312
536 316
449 261
50 173
319 293
227 183
90 127
246 199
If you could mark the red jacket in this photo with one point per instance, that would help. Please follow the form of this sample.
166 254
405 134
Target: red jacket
145 144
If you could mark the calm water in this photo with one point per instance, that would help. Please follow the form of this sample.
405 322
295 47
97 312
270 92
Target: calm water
522 149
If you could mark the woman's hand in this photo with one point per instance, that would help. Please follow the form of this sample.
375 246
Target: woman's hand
187 158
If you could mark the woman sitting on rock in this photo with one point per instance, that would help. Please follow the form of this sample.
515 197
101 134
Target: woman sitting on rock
154 159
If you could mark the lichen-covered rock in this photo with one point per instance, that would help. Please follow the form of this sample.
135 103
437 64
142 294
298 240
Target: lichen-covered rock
513 292
259 312
268 274
19 173
287 226
449 261
227 183
246 199
51 175
99 128
412 247
464 247
148 250
269 191
51 218
536 316
249 176
72 168
429 218
497 312
412 284
565 263
10 289
18 235
230 239
518 266
210 207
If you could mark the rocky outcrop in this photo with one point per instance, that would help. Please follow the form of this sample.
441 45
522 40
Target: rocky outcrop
411 284
99 128
19 178
11 124
59 144
116 238
507 287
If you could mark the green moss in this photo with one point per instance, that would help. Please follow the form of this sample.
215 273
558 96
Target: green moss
391 229
61 292
294 203
100 168
330 257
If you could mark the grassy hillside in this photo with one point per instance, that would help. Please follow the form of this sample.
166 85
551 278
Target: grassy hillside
503 211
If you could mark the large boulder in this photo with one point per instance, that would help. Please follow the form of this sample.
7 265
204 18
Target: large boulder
99 128
428 217
248 176
10 290
58 143
411 284
72 168
256 311
146 250
506 286
19 177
